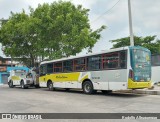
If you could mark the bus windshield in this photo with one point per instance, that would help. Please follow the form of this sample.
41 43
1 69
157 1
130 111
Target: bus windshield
141 65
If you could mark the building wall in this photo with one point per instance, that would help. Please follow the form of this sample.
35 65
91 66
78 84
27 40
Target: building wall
17 68
3 68
2 75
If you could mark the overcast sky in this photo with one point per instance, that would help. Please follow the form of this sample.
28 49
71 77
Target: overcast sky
145 15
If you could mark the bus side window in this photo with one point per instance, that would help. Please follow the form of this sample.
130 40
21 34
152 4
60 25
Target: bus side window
79 64
94 62
68 66
123 59
58 67
43 70
50 68
110 60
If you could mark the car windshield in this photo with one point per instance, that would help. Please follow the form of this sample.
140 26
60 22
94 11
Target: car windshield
21 74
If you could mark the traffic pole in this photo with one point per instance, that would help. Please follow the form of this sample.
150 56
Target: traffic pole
130 24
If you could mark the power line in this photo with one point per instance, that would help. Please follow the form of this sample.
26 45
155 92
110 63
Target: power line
106 12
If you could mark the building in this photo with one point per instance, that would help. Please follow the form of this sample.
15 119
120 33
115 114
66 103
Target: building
4 63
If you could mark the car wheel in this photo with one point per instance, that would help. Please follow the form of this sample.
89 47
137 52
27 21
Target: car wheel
11 84
23 85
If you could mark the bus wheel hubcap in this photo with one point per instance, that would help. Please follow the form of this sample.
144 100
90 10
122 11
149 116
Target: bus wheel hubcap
50 86
87 88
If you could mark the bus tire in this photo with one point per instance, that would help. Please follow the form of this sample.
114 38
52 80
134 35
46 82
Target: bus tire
88 87
50 86
106 91
23 85
11 84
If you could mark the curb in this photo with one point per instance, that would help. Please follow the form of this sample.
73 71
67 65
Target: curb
152 92
139 91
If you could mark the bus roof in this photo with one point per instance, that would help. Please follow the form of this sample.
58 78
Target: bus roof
139 47
105 51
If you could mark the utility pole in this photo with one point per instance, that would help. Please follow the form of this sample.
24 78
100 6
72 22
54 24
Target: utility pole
130 24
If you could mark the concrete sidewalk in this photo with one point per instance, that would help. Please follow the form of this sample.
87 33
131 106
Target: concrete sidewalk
153 91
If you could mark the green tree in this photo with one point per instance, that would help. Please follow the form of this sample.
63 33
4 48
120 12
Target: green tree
18 37
55 30
65 29
149 42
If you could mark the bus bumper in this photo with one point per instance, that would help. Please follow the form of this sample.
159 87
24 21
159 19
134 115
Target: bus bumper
138 85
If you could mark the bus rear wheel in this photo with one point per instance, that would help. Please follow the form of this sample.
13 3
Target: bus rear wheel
88 87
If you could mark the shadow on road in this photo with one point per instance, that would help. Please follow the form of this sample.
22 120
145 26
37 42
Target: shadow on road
113 94
75 91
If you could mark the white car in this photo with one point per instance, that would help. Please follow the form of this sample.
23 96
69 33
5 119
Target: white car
21 78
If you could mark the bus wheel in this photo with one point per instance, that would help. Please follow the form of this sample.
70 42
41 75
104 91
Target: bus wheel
11 84
106 91
50 86
88 87
22 85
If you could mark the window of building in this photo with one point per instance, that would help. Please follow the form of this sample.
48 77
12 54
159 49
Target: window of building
79 64
94 63
68 66
58 67
3 69
4 61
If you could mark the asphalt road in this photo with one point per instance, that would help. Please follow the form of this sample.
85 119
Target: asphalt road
43 101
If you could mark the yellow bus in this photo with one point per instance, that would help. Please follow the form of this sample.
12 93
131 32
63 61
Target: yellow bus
116 69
